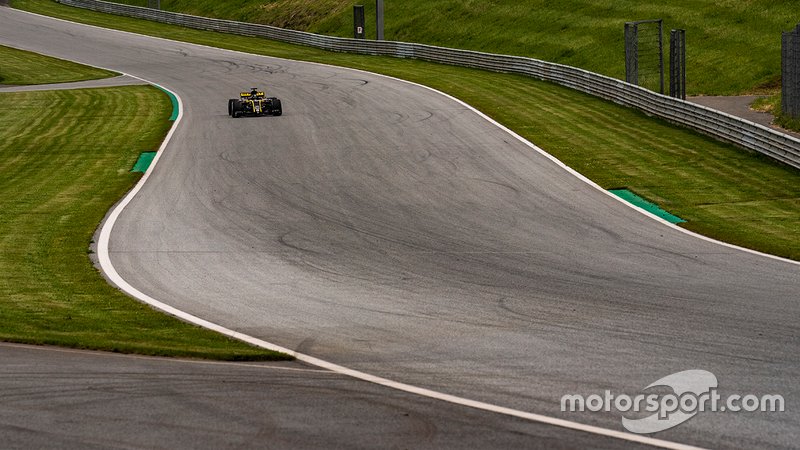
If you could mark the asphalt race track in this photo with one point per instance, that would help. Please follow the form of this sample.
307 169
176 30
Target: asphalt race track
54 398
392 230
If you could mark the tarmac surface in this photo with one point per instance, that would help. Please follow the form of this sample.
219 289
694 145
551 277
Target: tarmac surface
739 106
392 230
121 80
56 398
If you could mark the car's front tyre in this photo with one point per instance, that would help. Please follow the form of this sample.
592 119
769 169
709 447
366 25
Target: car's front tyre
277 108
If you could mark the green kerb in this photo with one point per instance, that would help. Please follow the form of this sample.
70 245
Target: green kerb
144 161
650 207
174 100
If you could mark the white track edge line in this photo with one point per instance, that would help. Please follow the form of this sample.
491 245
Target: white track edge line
105 262
576 173
104 258
108 267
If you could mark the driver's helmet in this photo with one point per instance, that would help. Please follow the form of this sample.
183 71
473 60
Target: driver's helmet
254 92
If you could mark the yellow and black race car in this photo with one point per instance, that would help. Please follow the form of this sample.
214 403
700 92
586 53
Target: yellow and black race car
254 103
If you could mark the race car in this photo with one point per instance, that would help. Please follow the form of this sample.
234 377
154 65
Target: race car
254 103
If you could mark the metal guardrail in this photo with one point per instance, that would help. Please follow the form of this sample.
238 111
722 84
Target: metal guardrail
725 127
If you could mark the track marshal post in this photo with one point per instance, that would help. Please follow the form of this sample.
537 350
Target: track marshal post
359 22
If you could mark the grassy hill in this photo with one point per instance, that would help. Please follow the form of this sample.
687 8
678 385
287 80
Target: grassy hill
733 46
20 67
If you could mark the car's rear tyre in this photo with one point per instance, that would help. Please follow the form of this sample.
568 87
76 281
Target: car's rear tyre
230 106
277 109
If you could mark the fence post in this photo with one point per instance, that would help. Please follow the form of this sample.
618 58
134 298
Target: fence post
677 64
661 53
790 73
379 19
631 53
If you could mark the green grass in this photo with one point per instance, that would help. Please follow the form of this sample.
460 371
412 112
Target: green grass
787 122
772 104
65 157
18 67
724 192
733 46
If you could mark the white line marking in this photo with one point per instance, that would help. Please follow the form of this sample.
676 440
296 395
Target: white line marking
581 176
108 268
111 272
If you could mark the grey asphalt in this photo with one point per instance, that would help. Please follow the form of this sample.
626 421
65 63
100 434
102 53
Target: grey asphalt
122 80
739 106
55 398
389 229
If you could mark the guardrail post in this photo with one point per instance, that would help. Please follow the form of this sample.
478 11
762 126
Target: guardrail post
359 22
379 19
790 73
